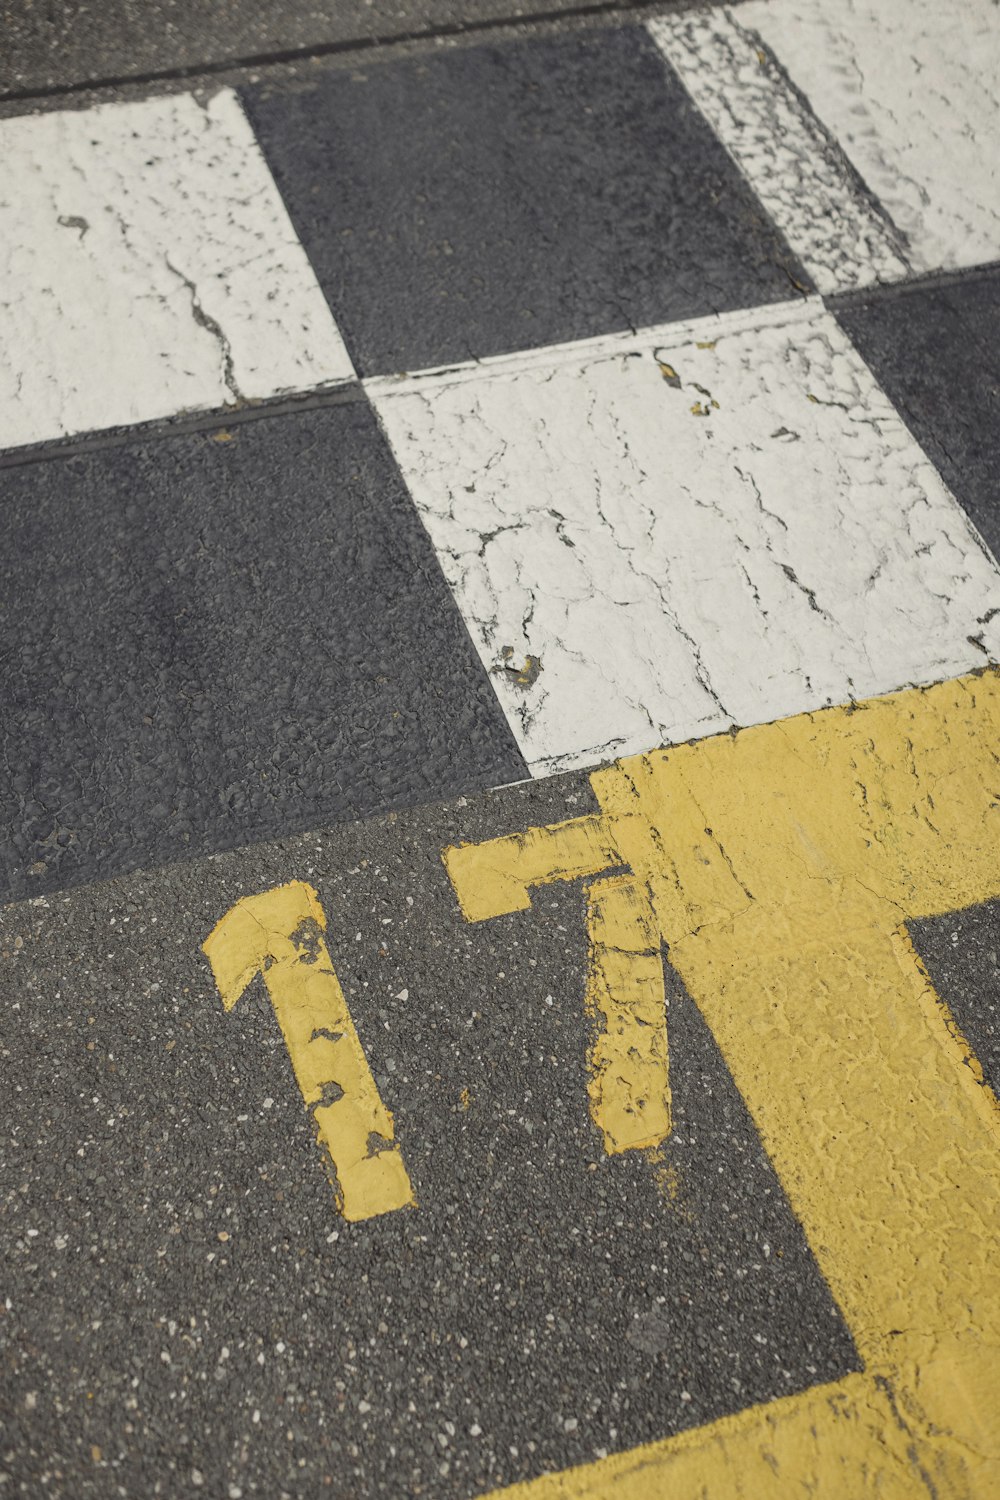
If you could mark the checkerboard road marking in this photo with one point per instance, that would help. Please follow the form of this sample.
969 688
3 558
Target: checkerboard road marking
155 271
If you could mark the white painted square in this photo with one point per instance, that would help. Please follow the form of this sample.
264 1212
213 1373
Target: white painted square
149 268
703 526
904 92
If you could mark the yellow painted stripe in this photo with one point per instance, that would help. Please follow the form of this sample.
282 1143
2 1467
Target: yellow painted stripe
782 864
280 934
843 1441
495 878
628 1079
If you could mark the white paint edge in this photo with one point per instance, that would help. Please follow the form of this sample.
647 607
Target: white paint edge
709 329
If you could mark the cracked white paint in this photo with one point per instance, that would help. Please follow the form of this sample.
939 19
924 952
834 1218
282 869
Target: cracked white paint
149 267
903 94
704 525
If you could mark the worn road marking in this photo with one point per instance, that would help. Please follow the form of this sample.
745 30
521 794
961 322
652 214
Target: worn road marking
677 571
146 244
782 864
797 172
627 1072
896 98
279 934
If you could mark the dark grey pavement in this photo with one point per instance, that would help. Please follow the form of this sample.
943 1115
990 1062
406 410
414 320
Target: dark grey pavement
961 952
189 1314
57 47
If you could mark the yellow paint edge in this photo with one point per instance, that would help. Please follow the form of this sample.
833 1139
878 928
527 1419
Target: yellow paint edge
841 1441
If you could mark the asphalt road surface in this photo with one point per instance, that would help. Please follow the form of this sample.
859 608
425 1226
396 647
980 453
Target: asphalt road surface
499 687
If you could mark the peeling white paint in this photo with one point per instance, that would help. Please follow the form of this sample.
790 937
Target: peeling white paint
701 526
800 175
903 93
148 267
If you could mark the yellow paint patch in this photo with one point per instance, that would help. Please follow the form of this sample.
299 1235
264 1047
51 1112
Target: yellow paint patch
781 866
279 935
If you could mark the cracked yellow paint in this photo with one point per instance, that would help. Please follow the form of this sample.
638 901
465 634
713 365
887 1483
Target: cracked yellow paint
627 1081
279 935
782 864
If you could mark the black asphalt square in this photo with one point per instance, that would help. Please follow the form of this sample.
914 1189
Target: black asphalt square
210 638
503 197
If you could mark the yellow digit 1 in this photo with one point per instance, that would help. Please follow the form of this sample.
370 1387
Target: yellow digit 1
279 934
